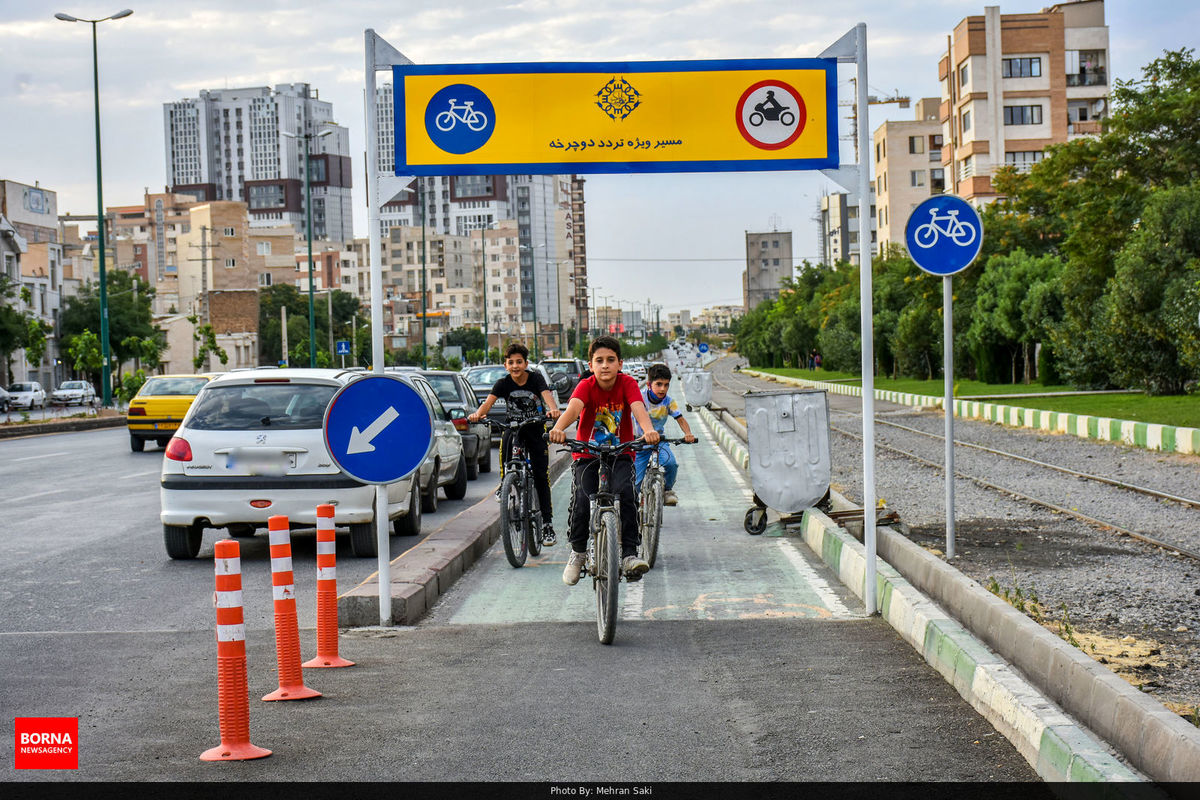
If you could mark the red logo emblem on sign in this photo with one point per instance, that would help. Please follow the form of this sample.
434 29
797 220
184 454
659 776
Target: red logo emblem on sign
771 115
46 743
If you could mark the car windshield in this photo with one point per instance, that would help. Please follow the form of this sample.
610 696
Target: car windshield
444 388
569 367
257 407
164 387
21 387
73 385
486 376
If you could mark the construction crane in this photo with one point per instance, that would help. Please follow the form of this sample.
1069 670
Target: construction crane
872 100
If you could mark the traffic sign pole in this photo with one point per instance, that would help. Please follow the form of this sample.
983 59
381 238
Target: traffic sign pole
944 235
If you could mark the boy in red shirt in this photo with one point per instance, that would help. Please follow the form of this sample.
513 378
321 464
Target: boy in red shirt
605 404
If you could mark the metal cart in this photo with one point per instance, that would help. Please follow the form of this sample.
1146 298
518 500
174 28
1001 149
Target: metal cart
697 388
790 470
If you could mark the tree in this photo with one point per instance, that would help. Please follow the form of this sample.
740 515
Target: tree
1152 300
466 338
130 316
84 350
1016 308
207 338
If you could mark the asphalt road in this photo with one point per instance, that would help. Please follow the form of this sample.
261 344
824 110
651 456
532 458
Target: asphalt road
737 658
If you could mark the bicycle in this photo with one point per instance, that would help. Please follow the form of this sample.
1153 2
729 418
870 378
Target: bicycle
475 120
603 561
520 513
650 503
927 235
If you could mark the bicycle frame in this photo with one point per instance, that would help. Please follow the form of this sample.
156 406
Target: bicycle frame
518 474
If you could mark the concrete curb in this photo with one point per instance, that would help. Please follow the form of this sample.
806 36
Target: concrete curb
427 571
1152 436
14 431
726 439
1057 747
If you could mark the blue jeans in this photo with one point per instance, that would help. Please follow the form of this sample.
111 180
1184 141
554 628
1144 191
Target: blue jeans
666 460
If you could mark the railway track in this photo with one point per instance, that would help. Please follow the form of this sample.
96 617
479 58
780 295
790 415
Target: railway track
729 381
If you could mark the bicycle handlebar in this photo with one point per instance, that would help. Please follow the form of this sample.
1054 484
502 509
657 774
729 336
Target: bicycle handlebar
604 450
515 424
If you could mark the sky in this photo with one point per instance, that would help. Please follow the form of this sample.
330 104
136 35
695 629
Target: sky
675 239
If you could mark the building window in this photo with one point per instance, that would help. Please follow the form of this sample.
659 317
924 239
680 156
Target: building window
966 121
230 232
1022 161
230 263
963 75
1022 115
937 181
264 248
916 177
1021 67
916 144
264 279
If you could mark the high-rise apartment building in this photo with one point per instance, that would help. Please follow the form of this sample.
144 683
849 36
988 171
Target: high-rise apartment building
248 145
768 262
840 228
1013 84
908 169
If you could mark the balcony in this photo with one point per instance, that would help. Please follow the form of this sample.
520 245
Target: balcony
1095 77
1088 128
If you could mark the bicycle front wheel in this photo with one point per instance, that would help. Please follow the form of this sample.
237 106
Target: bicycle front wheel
533 519
652 515
512 528
608 573
445 121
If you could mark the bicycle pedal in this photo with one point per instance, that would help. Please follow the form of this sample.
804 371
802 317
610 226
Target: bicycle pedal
632 577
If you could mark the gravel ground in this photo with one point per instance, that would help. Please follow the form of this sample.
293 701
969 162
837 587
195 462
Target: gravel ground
1130 605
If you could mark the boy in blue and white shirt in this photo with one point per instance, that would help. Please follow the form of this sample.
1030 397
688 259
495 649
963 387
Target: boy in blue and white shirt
660 405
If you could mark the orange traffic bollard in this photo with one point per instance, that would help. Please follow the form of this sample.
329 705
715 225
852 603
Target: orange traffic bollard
287 630
233 693
327 610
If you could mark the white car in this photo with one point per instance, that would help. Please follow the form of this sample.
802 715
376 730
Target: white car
70 393
27 395
252 446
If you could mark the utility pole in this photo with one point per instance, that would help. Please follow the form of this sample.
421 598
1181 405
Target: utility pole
283 328
329 294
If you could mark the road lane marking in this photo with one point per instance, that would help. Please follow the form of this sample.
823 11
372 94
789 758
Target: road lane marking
44 455
41 494
631 608
139 474
815 581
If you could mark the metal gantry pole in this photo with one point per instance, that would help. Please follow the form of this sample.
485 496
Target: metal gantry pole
383 544
867 320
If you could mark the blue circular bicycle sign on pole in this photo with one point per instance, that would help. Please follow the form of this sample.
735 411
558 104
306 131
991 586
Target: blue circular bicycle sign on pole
378 429
944 235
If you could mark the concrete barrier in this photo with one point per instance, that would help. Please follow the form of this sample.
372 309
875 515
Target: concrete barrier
1152 436
1057 747
13 430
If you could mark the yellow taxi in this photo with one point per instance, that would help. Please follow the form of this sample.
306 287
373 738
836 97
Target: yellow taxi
160 405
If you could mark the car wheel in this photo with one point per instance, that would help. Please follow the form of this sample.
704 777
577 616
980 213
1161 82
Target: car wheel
458 489
136 444
183 541
486 464
429 499
362 539
410 523
163 441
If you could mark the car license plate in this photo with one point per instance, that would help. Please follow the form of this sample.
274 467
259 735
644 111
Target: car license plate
258 462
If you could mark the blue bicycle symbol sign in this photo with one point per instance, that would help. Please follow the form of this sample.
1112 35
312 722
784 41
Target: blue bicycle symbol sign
944 234
460 118
464 113
927 235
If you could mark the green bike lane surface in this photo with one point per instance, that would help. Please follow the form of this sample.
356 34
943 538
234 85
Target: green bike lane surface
736 658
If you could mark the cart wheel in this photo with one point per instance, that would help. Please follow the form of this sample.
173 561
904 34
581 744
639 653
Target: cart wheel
756 520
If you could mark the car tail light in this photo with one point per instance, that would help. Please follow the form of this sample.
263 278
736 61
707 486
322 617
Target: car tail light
460 424
261 503
137 411
179 449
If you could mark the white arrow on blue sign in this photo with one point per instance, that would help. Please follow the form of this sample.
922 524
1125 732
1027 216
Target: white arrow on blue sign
378 429
944 234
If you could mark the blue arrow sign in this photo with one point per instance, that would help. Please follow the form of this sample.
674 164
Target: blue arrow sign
341 347
944 235
378 429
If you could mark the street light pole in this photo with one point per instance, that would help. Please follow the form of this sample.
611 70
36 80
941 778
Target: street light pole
424 317
312 325
106 367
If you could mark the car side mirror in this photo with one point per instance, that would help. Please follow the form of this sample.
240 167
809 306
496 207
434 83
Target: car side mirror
456 413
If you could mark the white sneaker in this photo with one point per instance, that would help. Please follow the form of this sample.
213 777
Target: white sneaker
574 567
669 498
